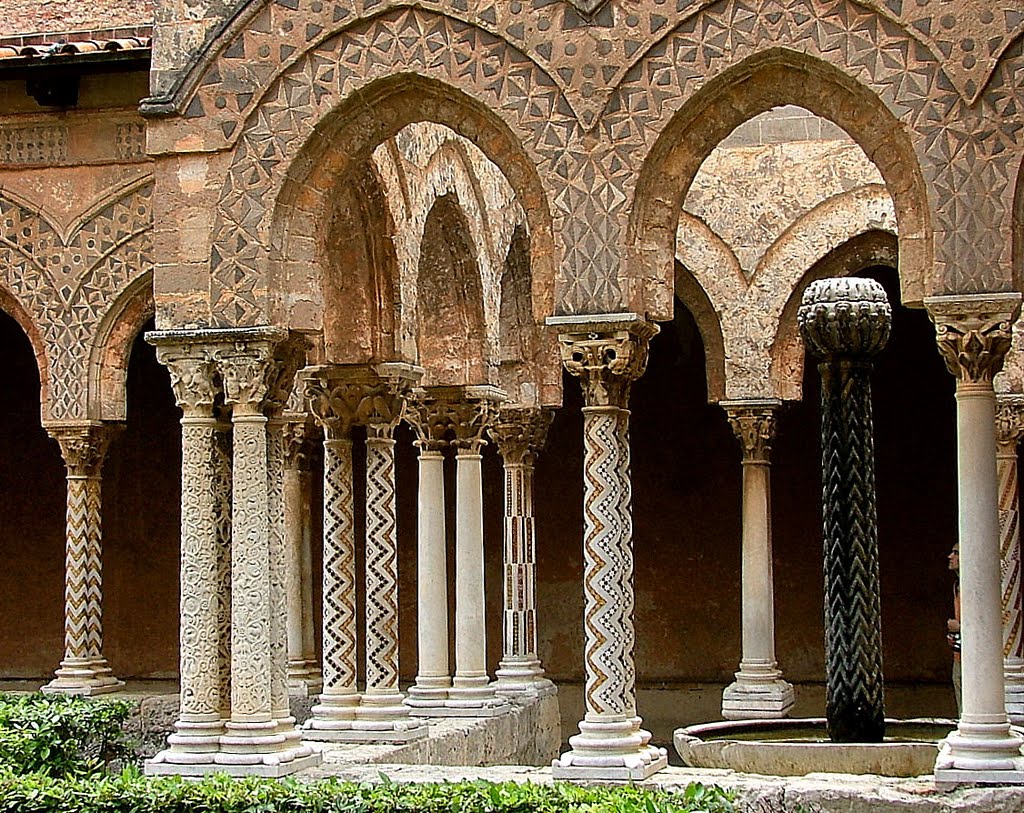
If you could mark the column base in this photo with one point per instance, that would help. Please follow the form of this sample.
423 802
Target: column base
304 679
616 750
428 692
193 742
1013 672
335 712
83 676
989 751
519 678
383 717
286 763
757 699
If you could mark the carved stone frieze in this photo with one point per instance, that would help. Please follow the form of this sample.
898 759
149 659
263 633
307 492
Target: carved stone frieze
520 433
753 423
974 332
607 354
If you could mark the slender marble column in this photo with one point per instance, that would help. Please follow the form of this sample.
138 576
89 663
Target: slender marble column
200 721
304 677
433 680
973 333
1009 430
471 691
607 353
83 669
759 690
520 434
382 715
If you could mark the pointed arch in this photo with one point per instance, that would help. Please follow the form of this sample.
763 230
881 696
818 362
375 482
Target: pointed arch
10 305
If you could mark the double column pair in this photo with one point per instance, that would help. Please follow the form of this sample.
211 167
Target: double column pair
459 417
341 397
234 716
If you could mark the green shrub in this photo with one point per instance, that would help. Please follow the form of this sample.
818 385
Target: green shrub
131 793
61 736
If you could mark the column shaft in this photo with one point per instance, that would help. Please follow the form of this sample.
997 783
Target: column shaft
1009 427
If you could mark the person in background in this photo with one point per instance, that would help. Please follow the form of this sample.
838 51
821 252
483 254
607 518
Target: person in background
953 626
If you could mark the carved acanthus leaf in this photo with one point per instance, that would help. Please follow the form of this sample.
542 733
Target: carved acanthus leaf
84 446
974 333
754 427
520 433
607 362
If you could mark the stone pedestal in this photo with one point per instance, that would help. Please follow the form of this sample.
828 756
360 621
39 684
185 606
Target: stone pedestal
759 690
1009 429
607 353
83 669
519 433
973 333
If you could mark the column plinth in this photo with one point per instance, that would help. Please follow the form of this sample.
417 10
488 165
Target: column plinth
83 670
973 334
607 354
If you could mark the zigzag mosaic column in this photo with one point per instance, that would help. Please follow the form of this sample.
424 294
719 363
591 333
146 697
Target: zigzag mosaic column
973 334
607 354
83 669
304 675
844 324
382 715
519 433
1009 430
474 409
431 422
759 690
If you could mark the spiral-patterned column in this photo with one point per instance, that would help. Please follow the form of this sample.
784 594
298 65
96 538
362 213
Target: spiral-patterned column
607 356
973 334
519 434
1009 429
83 670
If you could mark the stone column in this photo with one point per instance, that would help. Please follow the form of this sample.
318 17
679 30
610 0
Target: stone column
203 706
304 676
1009 429
473 409
844 324
607 353
973 334
335 395
83 669
431 422
382 715
519 433
759 690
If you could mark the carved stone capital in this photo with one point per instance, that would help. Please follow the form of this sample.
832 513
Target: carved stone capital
607 353
289 357
299 437
194 377
845 316
753 423
1009 420
520 433
456 415
974 332
84 446
343 396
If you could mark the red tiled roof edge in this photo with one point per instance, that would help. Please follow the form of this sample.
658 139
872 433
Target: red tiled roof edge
47 38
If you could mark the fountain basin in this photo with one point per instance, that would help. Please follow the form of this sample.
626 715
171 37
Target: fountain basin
794 747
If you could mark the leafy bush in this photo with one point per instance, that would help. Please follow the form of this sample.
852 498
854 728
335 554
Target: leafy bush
131 793
61 736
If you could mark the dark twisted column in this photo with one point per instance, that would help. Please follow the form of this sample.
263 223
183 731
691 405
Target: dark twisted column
845 322
1009 429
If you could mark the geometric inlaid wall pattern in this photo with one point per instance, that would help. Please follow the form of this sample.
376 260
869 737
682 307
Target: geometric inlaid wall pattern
67 280
588 96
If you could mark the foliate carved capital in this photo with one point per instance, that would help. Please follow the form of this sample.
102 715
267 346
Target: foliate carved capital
84 446
299 437
246 374
845 316
753 423
1009 420
520 433
606 353
289 357
343 396
456 415
974 332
